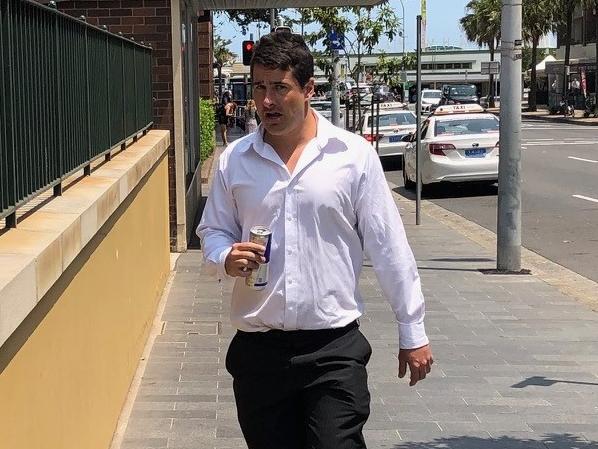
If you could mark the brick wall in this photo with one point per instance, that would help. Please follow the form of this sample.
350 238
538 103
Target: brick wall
206 72
149 21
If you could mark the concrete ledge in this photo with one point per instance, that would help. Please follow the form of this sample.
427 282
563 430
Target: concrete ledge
35 254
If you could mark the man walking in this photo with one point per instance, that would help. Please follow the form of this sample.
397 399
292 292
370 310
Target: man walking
298 359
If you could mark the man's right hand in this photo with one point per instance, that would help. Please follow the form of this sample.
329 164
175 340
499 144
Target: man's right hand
243 258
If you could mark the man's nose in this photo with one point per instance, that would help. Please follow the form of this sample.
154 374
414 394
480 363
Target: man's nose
269 98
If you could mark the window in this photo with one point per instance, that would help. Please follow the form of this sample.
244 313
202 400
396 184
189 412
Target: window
461 127
395 119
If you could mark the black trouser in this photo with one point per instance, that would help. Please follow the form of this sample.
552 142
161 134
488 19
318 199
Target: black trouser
304 389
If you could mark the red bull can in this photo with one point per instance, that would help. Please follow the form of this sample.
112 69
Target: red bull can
258 279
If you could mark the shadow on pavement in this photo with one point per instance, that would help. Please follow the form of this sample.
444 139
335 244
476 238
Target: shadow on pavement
548 441
461 259
451 190
541 381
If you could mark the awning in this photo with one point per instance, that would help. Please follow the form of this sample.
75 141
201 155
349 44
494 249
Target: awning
260 4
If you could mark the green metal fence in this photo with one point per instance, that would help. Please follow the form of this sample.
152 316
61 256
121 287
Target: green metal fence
69 93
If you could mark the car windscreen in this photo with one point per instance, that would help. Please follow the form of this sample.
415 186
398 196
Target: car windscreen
460 127
396 119
431 94
321 106
463 91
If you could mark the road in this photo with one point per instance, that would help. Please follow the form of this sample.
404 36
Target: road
559 196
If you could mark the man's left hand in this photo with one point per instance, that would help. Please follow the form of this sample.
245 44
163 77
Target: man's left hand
419 360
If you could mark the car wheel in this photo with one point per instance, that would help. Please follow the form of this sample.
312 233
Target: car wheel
409 185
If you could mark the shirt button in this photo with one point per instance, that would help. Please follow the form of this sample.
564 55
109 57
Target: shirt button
290 281
289 251
289 218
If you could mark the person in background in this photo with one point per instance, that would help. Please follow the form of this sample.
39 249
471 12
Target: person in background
250 118
222 122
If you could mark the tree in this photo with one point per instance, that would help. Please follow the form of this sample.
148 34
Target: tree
563 19
539 17
362 28
246 17
222 57
482 26
389 69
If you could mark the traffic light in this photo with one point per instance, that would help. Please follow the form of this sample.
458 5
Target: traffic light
248 47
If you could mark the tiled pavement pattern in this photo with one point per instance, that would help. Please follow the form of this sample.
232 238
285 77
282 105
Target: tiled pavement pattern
516 361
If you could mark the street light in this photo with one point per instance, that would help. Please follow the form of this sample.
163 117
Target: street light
403 54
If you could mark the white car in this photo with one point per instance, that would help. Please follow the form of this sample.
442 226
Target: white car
458 143
394 124
430 98
325 108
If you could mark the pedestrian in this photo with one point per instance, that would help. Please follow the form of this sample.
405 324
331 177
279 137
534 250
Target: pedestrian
231 111
250 118
222 122
298 359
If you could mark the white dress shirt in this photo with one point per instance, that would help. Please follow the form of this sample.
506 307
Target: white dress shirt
334 205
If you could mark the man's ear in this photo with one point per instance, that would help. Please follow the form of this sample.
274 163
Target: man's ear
310 88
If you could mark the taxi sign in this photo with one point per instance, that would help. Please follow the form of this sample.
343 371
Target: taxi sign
393 105
458 109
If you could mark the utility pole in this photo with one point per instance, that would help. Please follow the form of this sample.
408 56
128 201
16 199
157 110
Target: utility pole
335 100
272 19
418 113
508 257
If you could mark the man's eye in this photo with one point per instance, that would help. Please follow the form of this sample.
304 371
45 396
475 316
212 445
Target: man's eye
259 87
281 88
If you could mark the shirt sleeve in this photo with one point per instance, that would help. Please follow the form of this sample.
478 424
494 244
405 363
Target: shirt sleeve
385 243
219 226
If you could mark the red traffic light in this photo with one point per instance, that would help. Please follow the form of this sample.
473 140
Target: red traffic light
248 47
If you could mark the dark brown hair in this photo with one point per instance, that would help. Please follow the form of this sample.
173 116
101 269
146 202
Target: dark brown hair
286 51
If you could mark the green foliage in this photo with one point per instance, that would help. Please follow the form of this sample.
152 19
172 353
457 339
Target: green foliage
207 124
526 61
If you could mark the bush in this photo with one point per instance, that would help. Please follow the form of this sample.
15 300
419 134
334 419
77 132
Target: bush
207 124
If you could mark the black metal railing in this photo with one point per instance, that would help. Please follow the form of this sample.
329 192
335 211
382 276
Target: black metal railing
69 93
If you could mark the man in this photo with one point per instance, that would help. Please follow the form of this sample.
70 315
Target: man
298 359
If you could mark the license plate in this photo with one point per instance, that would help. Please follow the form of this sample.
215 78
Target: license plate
393 139
476 152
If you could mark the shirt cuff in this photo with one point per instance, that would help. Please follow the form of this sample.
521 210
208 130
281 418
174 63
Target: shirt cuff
412 336
220 269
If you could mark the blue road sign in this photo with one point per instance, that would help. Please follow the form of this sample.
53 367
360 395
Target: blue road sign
337 41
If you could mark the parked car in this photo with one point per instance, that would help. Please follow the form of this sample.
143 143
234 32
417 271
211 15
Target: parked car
394 123
485 101
459 94
459 143
325 108
430 98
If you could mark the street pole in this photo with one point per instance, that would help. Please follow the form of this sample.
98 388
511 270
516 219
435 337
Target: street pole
508 257
335 100
404 74
272 19
418 107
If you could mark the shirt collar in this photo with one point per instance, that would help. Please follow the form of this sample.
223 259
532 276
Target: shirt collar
324 132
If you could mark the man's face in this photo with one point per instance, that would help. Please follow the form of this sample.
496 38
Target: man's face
281 102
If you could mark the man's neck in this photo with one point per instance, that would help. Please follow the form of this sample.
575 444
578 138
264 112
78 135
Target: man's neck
286 144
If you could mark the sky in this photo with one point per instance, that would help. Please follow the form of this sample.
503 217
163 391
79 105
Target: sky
442 26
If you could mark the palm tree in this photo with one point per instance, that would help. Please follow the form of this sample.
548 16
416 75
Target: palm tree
222 56
482 25
593 6
539 17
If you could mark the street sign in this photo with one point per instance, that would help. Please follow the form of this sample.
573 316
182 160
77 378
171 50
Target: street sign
490 68
337 40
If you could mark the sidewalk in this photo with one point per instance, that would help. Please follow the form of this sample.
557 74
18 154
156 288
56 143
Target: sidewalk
516 360
544 115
